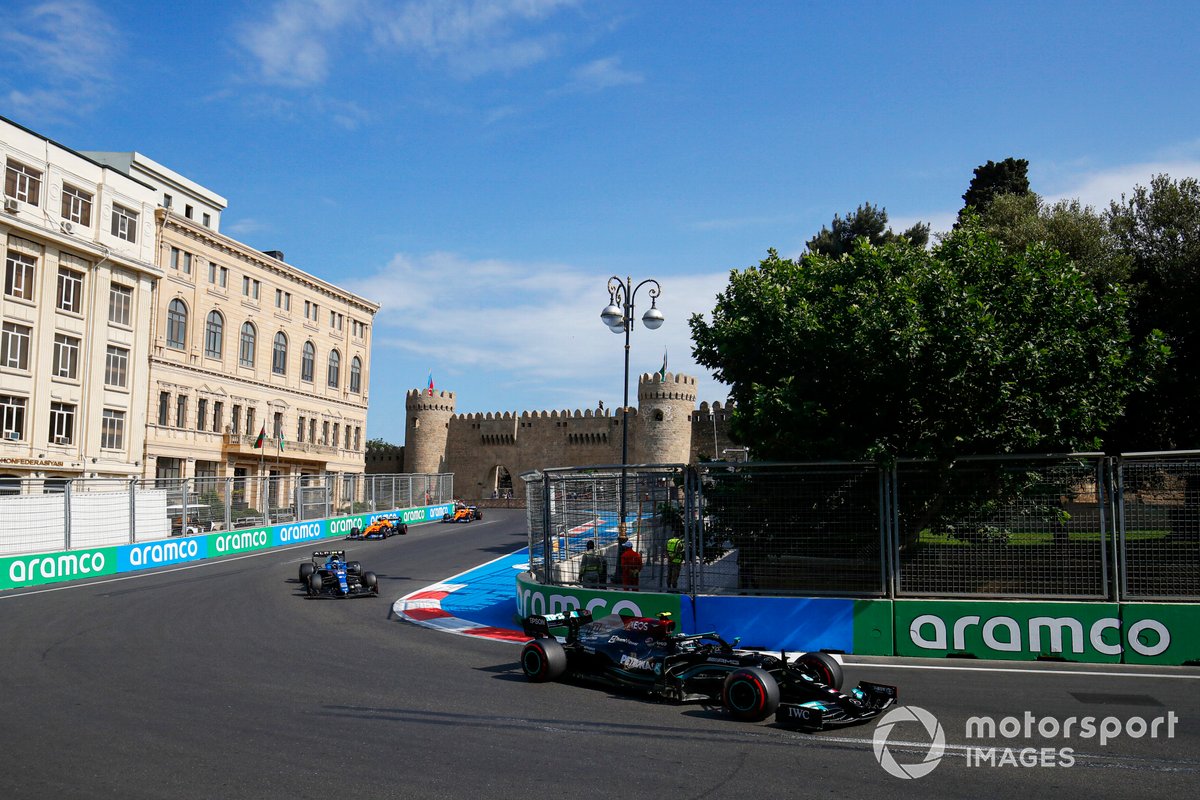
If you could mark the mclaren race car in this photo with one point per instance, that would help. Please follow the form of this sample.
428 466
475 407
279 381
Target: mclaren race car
644 654
381 528
463 513
330 573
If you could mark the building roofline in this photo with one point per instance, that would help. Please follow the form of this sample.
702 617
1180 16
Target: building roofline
75 152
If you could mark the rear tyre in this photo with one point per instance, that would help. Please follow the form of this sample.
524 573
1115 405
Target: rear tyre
543 660
354 566
750 694
821 666
306 569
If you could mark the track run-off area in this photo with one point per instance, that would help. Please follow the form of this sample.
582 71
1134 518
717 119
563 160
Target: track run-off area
220 679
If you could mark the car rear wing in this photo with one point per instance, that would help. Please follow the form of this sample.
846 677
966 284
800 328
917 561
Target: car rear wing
326 553
543 624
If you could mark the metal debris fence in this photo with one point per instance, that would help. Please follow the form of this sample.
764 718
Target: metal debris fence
43 515
1059 526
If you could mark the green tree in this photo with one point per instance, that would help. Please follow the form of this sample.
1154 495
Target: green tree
1159 228
869 222
1010 176
894 350
1077 231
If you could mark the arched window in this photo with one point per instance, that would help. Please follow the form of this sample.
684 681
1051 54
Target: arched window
335 369
246 351
279 355
356 375
214 335
176 324
306 364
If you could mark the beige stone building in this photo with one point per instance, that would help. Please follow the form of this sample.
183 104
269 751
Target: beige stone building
244 343
79 272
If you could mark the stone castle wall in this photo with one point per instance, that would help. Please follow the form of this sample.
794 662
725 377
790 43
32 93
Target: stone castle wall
666 427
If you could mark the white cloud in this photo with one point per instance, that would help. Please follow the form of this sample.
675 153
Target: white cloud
603 73
297 41
539 321
72 44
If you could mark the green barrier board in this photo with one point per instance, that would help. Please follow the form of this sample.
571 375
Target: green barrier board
873 628
533 598
41 568
1162 633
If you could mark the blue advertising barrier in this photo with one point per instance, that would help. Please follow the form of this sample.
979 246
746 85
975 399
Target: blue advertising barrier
779 623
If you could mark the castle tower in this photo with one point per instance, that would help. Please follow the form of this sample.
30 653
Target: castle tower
425 430
664 425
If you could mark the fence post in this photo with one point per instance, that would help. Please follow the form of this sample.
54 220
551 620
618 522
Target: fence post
67 514
546 575
133 510
228 524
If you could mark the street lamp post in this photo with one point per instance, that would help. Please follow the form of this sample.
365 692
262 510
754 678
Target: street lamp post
618 316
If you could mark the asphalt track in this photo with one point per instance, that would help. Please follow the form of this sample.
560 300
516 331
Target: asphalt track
221 680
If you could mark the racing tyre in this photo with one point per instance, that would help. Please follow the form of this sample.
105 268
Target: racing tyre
306 569
354 566
355 532
821 666
402 530
370 581
543 660
750 694
314 583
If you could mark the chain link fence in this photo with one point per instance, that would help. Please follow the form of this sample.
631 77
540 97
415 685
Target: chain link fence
1077 526
42 515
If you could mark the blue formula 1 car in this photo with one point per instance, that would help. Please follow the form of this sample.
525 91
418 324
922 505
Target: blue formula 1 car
330 573
644 654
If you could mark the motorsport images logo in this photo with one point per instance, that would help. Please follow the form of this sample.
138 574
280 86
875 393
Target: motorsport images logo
883 754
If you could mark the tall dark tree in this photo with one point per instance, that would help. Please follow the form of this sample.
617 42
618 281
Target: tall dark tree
869 222
1159 228
1010 176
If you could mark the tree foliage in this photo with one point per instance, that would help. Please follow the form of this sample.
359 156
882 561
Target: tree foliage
869 222
895 350
1010 176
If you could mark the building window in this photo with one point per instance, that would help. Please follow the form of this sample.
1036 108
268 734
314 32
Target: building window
218 275
201 414
246 348
116 366
250 287
279 355
218 412
166 201
336 433
312 429
164 406
250 421
76 205
214 335
112 430
14 346
62 423
181 411
70 290
23 183
12 418
356 375
207 220
18 275
287 301
120 300
176 324
300 430
306 363
335 369
277 426
168 469
235 422
66 356
187 211
181 260
124 223
325 433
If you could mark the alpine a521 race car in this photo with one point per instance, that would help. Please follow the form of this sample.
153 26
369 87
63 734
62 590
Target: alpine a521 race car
642 653
463 513
330 573
381 528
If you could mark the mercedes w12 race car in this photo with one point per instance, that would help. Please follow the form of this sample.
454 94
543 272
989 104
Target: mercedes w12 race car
330 573
463 513
643 654
381 528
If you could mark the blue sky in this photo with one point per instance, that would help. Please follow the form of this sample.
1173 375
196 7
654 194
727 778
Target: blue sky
482 168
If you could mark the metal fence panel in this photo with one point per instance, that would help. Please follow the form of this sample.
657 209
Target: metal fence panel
1004 527
1159 526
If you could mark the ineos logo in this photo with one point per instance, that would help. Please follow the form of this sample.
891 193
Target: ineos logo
937 745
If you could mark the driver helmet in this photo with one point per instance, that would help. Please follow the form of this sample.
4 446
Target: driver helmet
334 560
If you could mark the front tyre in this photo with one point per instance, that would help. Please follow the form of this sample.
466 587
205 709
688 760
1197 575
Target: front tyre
370 581
543 660
306 569
821 666
750 694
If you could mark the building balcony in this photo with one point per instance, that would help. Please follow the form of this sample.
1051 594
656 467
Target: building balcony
238 445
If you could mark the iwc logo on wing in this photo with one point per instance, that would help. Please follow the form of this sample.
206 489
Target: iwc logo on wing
883 748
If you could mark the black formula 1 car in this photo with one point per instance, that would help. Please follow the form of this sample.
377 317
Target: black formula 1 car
642 653
381 528
330 573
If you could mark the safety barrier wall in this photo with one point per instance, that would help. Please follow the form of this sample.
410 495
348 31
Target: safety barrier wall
53 567
1132 633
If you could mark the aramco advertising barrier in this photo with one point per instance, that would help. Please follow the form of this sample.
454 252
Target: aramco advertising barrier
41 568
1132 633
